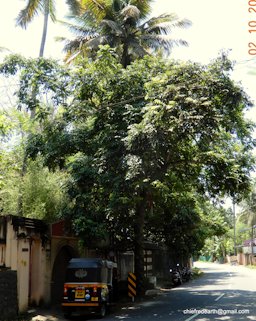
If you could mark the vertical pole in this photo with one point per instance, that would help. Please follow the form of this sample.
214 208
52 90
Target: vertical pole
132 284
234 224
252 247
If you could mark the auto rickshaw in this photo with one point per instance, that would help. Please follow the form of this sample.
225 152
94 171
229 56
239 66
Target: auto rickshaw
89 286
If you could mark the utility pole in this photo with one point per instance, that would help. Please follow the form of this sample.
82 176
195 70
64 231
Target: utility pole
252 246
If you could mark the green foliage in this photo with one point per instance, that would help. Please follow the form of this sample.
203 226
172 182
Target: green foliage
42 192
5 125
247 212
147 139
219 245
122 25
42 83
144 148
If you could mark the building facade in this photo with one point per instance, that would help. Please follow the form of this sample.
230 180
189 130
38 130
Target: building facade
38 253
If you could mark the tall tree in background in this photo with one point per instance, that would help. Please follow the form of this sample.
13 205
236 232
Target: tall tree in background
45 7
24 18
123 25
28 188
248 208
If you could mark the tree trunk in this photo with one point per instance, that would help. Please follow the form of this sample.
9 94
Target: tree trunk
125 60
45 27
139 244
22 174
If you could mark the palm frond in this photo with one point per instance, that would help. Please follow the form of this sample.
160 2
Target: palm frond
80 43
117 5
136 49
74 6
143 6
60 39
27 14
166 42
71 56
52 10
161 28
73 45
33 8
166 19
113 27
96 7
94 43
3 49
80 30
86 18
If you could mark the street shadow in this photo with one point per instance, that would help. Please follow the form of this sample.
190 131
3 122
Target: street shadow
209 297
223 304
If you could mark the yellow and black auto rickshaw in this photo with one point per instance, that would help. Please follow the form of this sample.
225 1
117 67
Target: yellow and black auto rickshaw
89 286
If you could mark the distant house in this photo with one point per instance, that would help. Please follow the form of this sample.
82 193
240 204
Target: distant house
248 244
248 252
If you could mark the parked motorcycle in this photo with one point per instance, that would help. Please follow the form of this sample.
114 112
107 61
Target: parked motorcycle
176 277
186 274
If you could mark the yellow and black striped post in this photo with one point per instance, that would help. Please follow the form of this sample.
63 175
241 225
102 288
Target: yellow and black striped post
131 285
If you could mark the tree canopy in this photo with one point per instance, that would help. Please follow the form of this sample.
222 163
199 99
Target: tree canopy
143 145
124 25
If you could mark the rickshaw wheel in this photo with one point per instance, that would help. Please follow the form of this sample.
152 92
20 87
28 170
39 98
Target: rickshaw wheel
103 310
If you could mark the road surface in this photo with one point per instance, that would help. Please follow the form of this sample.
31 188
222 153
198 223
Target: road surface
224 292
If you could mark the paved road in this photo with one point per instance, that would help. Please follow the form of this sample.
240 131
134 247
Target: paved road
223 293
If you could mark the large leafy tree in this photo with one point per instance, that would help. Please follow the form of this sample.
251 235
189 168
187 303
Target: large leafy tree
123 25
24 18
132 138
138 142
45 7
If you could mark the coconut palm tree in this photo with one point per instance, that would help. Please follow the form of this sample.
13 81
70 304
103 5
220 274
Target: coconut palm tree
248 210
48 9
121 24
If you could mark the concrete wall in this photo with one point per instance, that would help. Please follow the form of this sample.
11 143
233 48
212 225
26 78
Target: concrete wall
27 247
125 264
38 273
23 263
25 254
243 259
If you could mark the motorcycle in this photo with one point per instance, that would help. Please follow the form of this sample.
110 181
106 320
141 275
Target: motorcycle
176 277
186 274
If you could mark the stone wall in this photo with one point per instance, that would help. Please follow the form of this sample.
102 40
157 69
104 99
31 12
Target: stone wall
8 295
